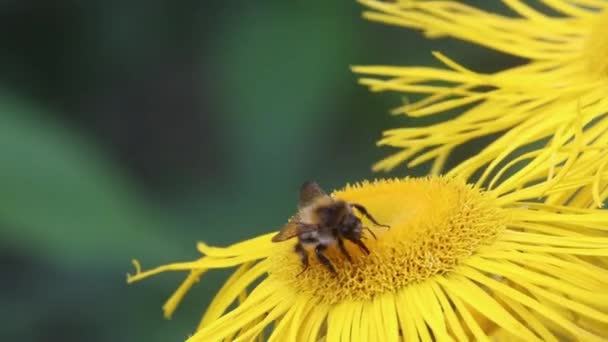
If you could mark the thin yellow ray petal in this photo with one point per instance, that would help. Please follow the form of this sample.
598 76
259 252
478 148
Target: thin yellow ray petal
446 105
529 318
371 315
573 276
555 207
224 295
239 281
567 9
383 331
481 301
254 307
214 262
530 302
560 192
589 229
230 337
520 193
406 319
347 325
509 165
336 321
437 20
550 230
450 63
525 10
246 327
388 312
597 180
279 310
282 330
572 155
434 98
552 249
565 302
302 308
517 274
468 319
540 239
417 72
548 155
519 136
177 296
453 323
364 324
178 266
357 332
430 155
237 249
421 327
582 198
439 162
598 216
379 85
589 275
428 306
591 264
314 321
597 4
392 161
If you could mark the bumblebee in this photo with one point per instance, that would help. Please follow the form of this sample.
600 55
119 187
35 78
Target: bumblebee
322 221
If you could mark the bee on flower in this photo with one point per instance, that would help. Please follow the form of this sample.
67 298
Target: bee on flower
509 245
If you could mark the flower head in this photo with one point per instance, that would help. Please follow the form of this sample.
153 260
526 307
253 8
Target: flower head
458 262
566 75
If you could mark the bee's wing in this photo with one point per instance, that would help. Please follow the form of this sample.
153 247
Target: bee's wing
293 228
309 192
287 232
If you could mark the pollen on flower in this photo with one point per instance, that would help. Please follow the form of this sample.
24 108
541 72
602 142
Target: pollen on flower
597 45
434 223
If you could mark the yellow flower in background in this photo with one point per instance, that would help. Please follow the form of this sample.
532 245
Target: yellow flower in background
457 263
566 74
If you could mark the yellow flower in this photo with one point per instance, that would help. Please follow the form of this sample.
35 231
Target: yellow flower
524 259
457 263
566 74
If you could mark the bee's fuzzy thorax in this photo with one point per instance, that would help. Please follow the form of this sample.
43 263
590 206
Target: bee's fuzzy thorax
309 213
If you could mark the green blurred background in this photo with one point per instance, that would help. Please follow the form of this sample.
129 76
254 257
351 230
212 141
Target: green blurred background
133 129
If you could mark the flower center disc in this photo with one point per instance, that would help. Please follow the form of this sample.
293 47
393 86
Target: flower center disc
597 45
434 223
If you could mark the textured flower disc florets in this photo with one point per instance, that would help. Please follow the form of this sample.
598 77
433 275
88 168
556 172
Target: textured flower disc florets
434 224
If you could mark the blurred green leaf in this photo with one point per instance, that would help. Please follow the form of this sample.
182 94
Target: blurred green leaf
63 200
288 73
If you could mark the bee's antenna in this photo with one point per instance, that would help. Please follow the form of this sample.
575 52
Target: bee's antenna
365 213
371 232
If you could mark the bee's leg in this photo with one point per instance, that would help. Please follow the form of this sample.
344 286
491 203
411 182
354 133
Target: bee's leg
303 256
365 213
323 259
371 232
360 244
343 249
